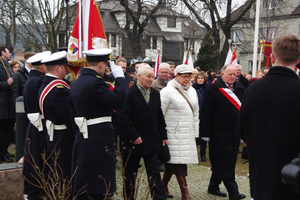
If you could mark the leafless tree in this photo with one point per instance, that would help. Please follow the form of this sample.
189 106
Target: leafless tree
138 15
213 10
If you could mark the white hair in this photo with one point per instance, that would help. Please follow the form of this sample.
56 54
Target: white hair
143 67
237 65
163 66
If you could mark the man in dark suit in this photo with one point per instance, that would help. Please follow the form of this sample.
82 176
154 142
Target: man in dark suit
54 105
269 122
7 111
144 128
239 76
36 135
92 103
21 76
219 125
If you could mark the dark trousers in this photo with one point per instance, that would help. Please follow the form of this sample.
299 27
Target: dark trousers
231 185
6 131
131 165
203 145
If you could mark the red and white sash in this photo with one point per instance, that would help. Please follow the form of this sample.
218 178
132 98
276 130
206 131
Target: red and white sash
231 97
48 88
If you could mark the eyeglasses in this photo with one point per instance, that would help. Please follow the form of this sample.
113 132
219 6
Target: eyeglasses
186 77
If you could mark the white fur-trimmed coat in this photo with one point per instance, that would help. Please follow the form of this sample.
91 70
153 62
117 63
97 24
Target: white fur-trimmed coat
182 123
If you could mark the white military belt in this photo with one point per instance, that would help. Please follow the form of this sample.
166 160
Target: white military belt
36 120
51 127
82 124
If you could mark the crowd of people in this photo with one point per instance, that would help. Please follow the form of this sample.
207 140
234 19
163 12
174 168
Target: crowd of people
181 108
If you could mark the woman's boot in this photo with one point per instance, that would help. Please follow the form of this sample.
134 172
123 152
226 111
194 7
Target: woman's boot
183 186
166 178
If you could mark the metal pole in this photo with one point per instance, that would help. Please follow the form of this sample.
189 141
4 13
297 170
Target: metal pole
67 19
255 38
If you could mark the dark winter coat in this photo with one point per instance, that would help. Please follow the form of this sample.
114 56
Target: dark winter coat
90 97
200 92
37 139
219 122
141 120
269 122
56 109
20 78
243 81
7 110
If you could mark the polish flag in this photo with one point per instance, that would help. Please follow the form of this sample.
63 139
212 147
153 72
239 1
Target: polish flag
184 60
88 31
75 40
190 61
231 57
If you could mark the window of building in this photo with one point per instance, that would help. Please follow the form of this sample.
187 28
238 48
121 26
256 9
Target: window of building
270 4
269 34
113 42
154 42
61 39
171 22
236 36
147 42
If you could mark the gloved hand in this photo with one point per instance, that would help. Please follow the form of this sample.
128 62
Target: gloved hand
116 70
205 139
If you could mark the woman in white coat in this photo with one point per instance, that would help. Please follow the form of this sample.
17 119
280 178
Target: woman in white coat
180 107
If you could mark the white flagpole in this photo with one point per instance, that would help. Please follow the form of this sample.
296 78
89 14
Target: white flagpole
256 38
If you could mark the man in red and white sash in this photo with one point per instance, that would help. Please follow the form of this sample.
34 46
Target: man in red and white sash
219 125
54 105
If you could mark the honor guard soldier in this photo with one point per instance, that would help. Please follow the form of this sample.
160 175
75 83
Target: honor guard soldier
92 103
54 105
36 135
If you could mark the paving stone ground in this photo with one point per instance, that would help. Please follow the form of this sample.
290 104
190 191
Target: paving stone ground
197 180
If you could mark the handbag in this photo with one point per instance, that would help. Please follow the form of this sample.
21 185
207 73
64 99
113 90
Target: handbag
164 153
290 174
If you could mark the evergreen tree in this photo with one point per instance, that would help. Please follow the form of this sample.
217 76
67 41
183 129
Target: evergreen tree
205 58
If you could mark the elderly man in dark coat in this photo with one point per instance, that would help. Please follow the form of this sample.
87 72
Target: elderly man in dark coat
144 129
269 121
92 104
219 124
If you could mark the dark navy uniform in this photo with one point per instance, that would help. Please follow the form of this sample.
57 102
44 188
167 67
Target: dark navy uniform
38 139
56 109
91 98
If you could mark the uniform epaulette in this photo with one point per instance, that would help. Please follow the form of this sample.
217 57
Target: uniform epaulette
99 76
60 86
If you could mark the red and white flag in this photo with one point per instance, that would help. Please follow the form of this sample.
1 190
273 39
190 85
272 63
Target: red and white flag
156 65
231 57
93 30
88 31
190 61
75 40
184 60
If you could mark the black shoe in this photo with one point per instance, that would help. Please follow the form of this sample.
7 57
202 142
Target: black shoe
217 193
0 161
237 197
6 159
203 159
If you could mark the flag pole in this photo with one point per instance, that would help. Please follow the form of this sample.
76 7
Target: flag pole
255 38
262 44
